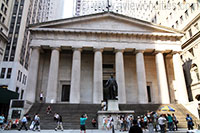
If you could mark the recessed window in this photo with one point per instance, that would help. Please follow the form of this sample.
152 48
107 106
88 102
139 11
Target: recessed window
22 94
192 8
17 89
190 32
2 7
3 71
177 24
181 19
9 73
186 14
196 26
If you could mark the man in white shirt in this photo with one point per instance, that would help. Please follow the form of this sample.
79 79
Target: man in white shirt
161 122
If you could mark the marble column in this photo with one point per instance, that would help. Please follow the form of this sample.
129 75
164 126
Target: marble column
120 78
75 76
180 85
162 79
98 77
141 77
53 76
30 92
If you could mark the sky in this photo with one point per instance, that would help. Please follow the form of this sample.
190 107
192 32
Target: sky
68 8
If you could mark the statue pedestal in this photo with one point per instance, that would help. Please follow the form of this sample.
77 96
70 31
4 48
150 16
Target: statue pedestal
113 105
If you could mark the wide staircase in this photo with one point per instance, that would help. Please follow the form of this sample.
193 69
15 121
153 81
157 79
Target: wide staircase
141 109
71 113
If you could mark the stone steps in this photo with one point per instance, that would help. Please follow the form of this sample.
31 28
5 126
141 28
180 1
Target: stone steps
71 113
141 109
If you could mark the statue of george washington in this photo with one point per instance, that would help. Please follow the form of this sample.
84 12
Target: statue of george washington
112 87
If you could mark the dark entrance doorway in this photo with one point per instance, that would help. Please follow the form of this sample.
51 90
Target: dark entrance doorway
105 91
65 93
149 93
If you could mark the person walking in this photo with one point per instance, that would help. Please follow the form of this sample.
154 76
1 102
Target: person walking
82 122
175 122
161 122
2 119
59 123
37 122
135 128
189 122
41 97
170 122
24 121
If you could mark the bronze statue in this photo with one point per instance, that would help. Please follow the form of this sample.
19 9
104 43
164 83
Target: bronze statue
112 87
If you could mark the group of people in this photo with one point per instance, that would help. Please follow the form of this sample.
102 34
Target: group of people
150 121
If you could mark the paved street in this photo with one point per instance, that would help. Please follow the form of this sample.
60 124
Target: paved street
89 131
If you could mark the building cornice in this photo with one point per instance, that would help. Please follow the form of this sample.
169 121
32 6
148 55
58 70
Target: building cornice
98 31
3 36
191 22
189 41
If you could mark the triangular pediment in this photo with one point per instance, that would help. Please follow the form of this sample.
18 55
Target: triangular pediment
105 21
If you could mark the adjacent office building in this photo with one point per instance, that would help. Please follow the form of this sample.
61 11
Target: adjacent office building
138 9
185 16
14 67
5 16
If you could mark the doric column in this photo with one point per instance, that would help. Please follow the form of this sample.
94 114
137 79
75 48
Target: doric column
162 79
75 76
180 86
33 74
97 79
141 77
53 76
120 78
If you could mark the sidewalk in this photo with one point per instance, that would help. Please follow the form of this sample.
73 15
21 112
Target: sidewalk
88 131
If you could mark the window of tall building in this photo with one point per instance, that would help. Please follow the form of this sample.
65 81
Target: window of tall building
3 71
190 32
22 94
0 16
181 19
192 8
5 11
20 78
196 26
186 14
17 89
170 15
191 51
177 24
7 2
18 74
9 73
3 20
2 7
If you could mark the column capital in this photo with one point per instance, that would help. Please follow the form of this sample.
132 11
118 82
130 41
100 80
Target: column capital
119 50
56 48
35 47
139 51
159 51
77 49
98 49
176 52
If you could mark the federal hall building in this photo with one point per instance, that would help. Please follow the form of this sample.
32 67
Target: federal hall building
72 59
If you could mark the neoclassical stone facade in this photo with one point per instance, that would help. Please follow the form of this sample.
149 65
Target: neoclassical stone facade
72 59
